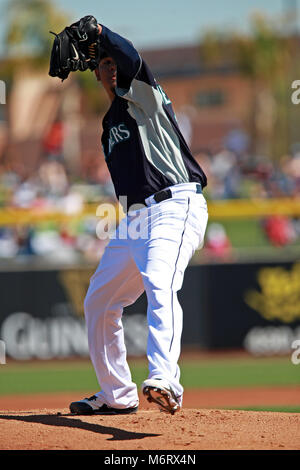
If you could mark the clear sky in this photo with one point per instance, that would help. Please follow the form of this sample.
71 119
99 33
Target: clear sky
159 23
151 23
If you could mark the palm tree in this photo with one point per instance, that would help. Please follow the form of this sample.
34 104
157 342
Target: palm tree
266 58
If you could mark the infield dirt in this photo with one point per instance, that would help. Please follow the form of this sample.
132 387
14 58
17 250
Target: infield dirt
26 424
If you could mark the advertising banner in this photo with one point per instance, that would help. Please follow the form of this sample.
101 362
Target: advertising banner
226 306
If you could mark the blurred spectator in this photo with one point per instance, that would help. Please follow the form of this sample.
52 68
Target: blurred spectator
226 175
291 169
67 235
24 237
217 243
8 243
52 246
53 141
279 230
71 203
25 195
53 178
94 171
237 141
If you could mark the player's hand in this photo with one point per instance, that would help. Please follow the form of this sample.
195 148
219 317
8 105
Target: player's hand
86 29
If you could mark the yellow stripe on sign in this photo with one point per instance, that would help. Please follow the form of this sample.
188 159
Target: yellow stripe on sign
254 208
225 209
13 216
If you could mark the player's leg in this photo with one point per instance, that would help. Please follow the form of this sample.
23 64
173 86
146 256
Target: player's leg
115 284
176 229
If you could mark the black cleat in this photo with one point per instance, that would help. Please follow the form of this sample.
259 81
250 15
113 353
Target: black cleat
89 406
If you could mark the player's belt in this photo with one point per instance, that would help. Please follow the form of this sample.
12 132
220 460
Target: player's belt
167 193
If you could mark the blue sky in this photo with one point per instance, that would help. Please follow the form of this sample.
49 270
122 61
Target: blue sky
159 23
155 23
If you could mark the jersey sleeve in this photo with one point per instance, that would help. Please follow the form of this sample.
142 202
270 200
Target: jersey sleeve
135 81
124 53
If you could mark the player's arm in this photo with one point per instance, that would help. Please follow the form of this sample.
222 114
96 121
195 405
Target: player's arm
135 81
124 53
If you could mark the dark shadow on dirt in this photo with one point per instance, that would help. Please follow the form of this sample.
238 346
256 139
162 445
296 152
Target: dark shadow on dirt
70 422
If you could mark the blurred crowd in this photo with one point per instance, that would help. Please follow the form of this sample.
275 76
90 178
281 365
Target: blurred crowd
235 176
51 190
230 176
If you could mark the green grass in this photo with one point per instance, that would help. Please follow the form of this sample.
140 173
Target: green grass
46 378
63 376
248 233
245 233
276 409
241 373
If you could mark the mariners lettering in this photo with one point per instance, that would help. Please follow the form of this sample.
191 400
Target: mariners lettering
117 134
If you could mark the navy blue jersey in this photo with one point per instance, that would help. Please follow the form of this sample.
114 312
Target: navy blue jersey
144 149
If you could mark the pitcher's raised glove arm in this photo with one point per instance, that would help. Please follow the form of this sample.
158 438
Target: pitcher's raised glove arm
86 32
123 52
77 47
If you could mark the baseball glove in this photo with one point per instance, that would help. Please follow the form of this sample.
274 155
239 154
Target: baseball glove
77 47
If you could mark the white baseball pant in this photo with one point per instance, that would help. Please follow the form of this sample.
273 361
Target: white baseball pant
152 259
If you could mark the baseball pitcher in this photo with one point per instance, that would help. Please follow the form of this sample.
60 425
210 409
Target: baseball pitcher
154 172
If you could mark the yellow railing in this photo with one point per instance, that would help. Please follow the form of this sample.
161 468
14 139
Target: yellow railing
253 208
14 216
218 210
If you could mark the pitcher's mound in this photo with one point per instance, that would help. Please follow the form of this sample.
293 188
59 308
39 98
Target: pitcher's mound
150 429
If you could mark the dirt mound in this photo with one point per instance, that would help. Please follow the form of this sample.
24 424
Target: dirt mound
43 422
190 429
